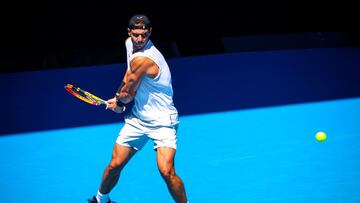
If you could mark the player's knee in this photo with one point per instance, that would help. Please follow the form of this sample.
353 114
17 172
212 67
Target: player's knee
167 172
115 165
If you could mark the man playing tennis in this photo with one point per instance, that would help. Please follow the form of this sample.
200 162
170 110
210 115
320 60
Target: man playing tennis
147 81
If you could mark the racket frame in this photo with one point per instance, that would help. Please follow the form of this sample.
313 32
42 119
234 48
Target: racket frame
88 97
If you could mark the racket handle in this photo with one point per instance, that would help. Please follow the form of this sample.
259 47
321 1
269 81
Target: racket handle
105 103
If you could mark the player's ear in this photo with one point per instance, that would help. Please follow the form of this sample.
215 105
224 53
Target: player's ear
129 32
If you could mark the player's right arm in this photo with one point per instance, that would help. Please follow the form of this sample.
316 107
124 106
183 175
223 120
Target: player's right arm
113 102
139 68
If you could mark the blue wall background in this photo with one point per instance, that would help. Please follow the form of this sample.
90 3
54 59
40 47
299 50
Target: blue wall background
33 101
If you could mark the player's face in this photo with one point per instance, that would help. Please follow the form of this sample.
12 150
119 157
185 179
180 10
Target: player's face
139 37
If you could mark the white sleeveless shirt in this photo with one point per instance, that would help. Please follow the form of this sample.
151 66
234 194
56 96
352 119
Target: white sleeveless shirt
154 96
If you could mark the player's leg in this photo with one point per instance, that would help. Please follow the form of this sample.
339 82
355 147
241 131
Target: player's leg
131 139
120 157
165 162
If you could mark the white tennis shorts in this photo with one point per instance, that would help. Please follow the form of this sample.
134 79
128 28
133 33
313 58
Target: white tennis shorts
136 133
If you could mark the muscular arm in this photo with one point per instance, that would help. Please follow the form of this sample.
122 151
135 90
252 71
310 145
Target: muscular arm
139 68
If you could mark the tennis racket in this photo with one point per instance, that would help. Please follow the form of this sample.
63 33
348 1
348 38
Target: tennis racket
84 95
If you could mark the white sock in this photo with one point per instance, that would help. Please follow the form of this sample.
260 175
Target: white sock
102 198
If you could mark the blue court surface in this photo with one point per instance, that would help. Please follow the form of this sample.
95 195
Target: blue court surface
265 154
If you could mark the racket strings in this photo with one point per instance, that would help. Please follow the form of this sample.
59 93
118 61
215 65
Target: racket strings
84 95
93 99
77 93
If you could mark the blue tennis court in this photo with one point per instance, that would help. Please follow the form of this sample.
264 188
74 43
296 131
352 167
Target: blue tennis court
254 155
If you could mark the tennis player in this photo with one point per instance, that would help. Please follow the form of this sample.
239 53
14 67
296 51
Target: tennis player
147 81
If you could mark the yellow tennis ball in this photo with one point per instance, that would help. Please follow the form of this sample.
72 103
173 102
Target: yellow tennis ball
320 136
